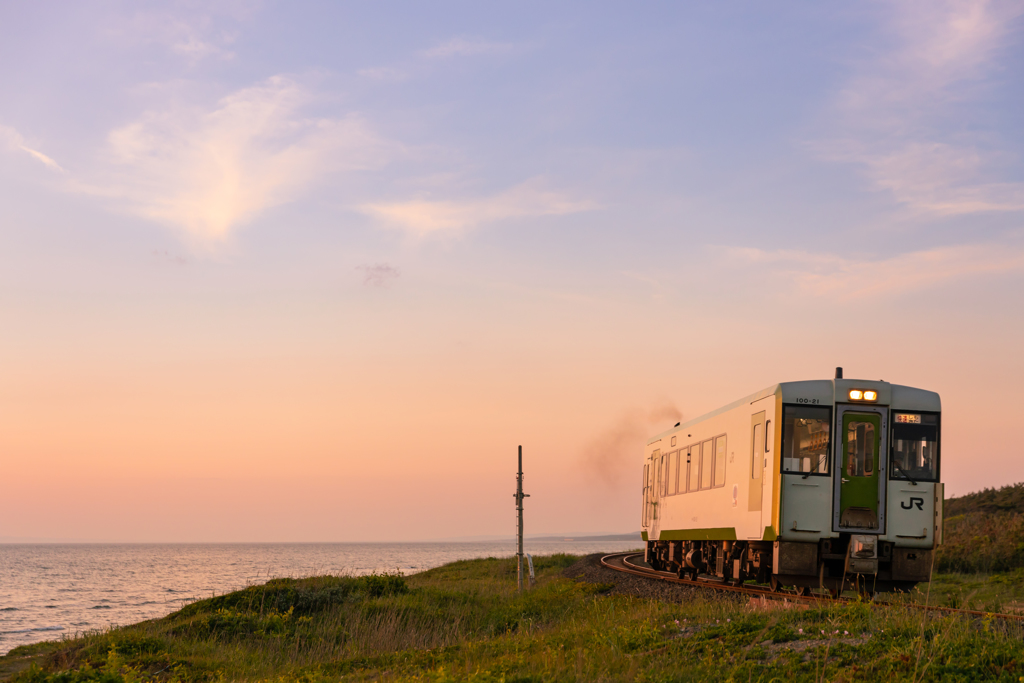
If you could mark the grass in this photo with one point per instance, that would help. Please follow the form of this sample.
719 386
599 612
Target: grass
464 622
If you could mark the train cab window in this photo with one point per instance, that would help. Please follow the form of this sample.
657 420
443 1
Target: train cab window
860 449
915 447
805 439
706 464
720 461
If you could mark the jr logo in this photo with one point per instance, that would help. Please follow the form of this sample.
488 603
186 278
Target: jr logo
913 502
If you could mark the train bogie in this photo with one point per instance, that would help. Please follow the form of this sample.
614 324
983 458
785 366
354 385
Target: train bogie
821 484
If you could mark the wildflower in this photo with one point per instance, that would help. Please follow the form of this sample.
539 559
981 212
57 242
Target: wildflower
677 622
846 633
800 631
728 619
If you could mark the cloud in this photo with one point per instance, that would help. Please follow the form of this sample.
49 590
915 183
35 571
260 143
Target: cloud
207 171
614 453
194 36
900 114
425 217
936 177
462 47
13 140
378 275
836 277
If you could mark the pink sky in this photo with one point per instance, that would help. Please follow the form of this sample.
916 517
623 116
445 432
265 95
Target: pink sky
261 288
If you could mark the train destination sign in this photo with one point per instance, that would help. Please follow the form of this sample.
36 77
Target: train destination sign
910 419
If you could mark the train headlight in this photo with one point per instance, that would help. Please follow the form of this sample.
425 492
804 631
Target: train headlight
863 395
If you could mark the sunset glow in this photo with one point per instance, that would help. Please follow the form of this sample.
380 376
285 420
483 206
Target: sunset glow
278 272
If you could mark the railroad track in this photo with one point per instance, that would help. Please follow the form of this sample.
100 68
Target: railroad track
620 562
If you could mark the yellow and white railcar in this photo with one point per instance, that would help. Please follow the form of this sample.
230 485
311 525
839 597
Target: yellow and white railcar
824 483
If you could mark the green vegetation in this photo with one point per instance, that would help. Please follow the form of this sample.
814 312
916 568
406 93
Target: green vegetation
464 622
983 532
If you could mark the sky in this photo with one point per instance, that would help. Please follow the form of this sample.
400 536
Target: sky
312 271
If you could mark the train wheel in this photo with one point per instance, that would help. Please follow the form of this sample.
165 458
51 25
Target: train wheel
804 591
775 585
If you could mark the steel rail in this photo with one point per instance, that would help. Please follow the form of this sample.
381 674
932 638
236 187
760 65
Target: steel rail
630 568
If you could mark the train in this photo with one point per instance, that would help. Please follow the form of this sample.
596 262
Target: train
826 485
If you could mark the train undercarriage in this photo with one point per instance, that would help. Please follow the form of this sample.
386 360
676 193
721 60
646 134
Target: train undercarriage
849 562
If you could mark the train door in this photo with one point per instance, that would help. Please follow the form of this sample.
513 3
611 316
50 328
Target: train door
860 462
646 496
650 497
658 464
756 468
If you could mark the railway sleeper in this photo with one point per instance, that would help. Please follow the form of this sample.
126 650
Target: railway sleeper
829 564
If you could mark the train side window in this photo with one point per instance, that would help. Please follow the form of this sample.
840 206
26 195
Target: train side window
670 484
768 434
692 466
677 460
805 439
706 463
720 461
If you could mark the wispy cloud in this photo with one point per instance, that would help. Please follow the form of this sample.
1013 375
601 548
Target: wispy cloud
464 47
378 274
843 278
194 36
209 170
427 217
899 116
13 140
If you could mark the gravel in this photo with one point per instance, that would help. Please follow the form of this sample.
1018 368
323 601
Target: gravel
589 570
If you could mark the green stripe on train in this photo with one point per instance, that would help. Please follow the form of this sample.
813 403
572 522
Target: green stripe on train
643 535
726 533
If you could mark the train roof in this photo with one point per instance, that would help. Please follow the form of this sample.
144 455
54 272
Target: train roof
826 391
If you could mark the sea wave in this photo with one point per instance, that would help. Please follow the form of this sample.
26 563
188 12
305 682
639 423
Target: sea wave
38 628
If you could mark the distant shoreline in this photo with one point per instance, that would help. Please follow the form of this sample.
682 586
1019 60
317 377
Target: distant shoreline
634 536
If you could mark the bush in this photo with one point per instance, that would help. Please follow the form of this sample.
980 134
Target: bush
982 542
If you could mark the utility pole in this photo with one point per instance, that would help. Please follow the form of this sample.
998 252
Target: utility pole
519 495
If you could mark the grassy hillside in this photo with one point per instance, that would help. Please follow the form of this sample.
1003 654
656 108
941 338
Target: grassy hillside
464 622
984 531
991 501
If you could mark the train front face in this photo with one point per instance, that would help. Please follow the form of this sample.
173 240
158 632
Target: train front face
885 508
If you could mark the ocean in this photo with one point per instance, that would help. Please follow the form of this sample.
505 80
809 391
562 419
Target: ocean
50 591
